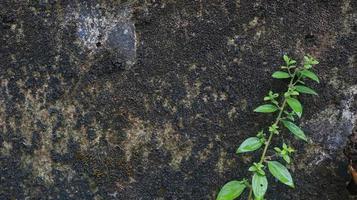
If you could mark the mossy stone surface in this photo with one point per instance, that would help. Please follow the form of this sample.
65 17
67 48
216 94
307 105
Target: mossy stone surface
150 99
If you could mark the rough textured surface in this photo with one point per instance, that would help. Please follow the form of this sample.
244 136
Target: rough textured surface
148 100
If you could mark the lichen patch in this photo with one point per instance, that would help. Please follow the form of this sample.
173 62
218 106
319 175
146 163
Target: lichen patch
174 142
223 162
192 92
136 136
141 133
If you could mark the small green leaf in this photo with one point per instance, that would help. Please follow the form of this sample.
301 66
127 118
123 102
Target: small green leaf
286 158
261 135
295 130
285 146
277 149
250 144
231 190
290 150
286 59
259 185
314 62
295 105
289 115
310 75
266 108
294 93
252 169
280 172
274 129
291 62
304 89
280 74
258 168
302 82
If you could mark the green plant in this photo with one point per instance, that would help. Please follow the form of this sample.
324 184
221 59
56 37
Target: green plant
289 108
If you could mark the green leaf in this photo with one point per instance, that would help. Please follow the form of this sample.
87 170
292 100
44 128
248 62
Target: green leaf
277 149
314 62
287 158
257 170
300 81
291 62
259 185
231 190
280 74
250 144
304 89
295 130
289 115
285 146
280 172
310 75
274 129
295 105
252 169
267 108
307 66
261 135
286 59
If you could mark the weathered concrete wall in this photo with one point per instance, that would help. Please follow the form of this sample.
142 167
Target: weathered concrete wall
149 100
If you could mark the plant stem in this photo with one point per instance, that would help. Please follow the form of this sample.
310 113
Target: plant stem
271 134
278 118
250 194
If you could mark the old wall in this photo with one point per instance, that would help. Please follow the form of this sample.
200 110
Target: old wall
149 99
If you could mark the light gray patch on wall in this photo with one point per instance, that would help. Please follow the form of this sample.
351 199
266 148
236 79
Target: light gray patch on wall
332 126
99 30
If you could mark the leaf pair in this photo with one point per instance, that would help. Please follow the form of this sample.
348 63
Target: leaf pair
285 152
305 73
288 61
257 168
279 171
274 129
309 61
271 97
254 143
294 104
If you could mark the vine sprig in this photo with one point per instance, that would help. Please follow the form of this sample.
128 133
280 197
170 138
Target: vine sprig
288 110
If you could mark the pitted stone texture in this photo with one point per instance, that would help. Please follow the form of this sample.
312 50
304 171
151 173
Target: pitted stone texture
149 99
